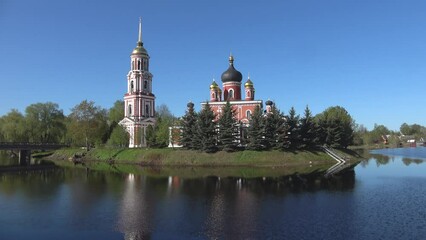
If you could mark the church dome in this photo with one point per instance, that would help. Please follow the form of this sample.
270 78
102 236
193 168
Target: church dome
190 105
248 84
269 103
139 50
214 85
231 75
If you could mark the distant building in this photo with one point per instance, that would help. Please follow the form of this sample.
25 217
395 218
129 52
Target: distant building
139 100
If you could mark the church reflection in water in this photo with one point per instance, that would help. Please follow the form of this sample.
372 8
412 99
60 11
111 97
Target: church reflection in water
214 206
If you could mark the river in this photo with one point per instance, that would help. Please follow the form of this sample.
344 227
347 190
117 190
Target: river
383 197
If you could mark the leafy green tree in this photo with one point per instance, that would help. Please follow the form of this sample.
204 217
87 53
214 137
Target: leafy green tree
256 140
228 129
360 135
189 121
415 130
87 124
13 128
165 120
206 130
151 140
335 127
119 137
116 113
307 129
273 127
45 122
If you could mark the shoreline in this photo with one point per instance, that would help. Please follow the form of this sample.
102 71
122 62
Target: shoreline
189 158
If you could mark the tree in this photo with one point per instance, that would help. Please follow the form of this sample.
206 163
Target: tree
228 129
116 136
307 129
88 124
289 131
189 121
335 127
206 130
116 113
151 140
119 137
165 120
45 122
13 127
256 140
272 128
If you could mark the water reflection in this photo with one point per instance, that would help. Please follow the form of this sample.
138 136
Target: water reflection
213 205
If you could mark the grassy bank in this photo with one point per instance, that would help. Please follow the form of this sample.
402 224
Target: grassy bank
184 158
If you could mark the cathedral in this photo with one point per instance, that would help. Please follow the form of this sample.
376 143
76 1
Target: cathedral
231 85
139 101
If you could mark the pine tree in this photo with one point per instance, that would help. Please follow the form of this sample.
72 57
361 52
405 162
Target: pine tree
206 130
307 130
189 121
255 134
228 129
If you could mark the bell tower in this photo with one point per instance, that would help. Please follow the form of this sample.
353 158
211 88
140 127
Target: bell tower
139 101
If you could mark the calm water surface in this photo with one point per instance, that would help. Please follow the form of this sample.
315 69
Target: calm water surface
383 198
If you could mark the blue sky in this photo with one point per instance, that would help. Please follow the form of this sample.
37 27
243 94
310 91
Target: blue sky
367 56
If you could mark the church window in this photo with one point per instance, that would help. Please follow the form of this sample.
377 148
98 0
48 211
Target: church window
130 109
139 64
133 65
248 114
213 95
145 84
131 86
248 94
231 94
147 110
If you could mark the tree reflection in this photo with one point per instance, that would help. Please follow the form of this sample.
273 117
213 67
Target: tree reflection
408 161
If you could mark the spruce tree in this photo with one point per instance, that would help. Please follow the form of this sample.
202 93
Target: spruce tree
189 121
228 135
293 136
206 130
273 121
307 130
255 134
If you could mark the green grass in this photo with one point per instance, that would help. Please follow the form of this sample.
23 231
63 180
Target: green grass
179 162
180 157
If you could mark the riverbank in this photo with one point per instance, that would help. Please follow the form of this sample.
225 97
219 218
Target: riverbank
184 158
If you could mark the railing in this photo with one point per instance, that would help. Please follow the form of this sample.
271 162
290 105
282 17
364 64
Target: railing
340 165
30 145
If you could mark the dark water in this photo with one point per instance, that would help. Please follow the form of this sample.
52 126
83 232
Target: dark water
383 198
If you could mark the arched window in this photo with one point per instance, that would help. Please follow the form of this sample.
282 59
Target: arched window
133 64
213 95
130 109
248 93
231 94
139 64
248 114
132 86
147 110
145 85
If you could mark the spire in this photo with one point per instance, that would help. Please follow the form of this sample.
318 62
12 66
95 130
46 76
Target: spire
248 76
140 30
